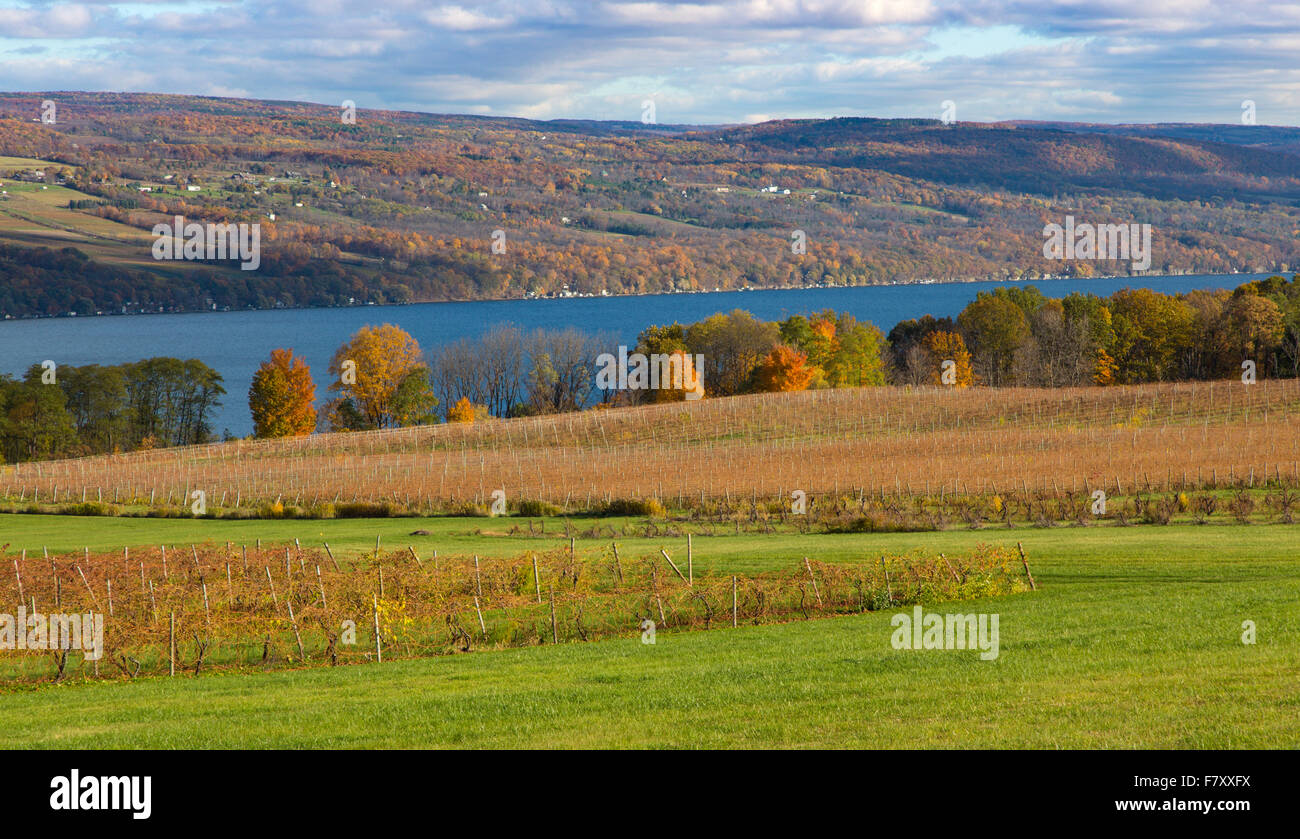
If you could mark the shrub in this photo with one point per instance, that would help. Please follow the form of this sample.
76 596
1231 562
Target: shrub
88 508
537 508
1243 504
634 507
272 511
880 523
362 510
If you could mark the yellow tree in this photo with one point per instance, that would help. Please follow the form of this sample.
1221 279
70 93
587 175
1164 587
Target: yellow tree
944 347
466 411
282 397
381 379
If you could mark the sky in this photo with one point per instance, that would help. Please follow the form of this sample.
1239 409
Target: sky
698 62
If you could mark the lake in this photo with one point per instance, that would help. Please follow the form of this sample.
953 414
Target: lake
235 343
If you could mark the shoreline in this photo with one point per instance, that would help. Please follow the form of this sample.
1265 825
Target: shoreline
558 297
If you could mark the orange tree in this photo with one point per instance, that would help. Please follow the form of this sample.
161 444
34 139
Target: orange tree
784 369
282 397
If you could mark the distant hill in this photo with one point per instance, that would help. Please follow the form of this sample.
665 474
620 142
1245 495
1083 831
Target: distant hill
1281 138
1032 157
404 207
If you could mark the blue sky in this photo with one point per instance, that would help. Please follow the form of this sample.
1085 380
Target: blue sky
701 62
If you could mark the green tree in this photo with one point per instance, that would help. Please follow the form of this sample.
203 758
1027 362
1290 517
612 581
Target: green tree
97 401
1152 331
34 420
994 327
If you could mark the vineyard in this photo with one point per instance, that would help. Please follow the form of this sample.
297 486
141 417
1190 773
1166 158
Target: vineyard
198 610
902 441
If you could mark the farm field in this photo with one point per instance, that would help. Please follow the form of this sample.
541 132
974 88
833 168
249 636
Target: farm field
1133 637
1132 640
33 214
904 441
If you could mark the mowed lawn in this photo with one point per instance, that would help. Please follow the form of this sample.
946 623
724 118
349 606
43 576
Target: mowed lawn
725 551
1133 640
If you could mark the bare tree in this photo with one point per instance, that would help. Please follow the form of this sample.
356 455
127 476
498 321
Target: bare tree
562 369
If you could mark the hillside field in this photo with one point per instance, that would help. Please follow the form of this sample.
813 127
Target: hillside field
1137 634
908 442
1132 640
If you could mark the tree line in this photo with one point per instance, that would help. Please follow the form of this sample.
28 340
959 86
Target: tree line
382 378
1012 336
68 411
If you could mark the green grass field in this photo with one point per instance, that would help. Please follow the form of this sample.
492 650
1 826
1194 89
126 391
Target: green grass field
1133 640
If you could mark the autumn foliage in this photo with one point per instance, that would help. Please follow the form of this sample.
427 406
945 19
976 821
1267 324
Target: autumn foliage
949 346
784 369
465 411
381 379
282 397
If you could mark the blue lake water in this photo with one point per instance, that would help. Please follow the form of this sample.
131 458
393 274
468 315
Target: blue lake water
235 343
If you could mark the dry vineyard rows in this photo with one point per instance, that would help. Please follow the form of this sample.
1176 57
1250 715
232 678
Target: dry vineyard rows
898 440
198 609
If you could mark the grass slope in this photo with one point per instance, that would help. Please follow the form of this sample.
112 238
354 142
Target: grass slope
1132 641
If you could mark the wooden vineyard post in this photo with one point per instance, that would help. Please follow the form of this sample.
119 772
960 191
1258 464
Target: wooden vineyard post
478 579
302 653
331 556
816 590
481 625
555 635
618 566
888 590
171 646
734 612
379 650
274 601
537 582
18 574
690 562
1032 585
320 582
415 556
674 565
951 570
654 585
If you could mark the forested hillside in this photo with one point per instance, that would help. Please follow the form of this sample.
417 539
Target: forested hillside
407 207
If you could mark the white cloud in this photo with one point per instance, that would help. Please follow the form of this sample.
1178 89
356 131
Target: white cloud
465 20
1105 60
